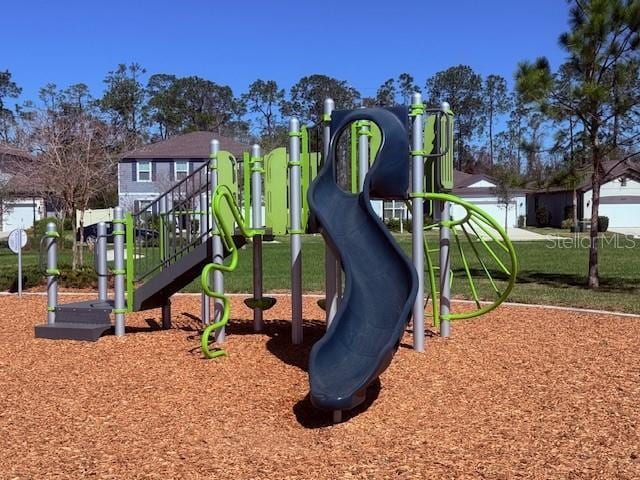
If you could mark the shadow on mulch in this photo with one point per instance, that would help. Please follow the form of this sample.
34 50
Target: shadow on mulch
153 325
427 333
310 417
279 345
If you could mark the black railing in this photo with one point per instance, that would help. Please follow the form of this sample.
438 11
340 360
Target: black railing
168 227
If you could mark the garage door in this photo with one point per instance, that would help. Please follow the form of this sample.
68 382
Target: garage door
17 215
621 215
494 210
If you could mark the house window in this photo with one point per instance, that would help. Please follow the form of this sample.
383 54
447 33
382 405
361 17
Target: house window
180 169
394 209
144 171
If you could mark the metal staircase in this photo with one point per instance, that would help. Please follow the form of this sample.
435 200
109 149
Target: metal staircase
168 243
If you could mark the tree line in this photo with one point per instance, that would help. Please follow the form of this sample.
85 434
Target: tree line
549 129
141 108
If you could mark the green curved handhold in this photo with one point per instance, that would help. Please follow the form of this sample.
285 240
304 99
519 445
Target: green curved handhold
471 210
223 192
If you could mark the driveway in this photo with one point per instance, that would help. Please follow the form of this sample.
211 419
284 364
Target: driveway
630 231
520 235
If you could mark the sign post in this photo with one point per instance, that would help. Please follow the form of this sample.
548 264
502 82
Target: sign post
17 241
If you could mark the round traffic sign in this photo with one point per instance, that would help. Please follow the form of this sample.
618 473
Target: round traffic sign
17 240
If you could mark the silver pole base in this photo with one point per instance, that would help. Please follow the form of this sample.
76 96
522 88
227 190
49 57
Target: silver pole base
337 416
445 328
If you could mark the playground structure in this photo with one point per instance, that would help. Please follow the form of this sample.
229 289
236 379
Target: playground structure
199 224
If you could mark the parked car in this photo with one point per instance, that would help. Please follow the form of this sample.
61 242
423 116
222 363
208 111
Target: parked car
91 233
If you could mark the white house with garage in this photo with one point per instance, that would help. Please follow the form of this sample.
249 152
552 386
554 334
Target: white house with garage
480 189
20 206
619 198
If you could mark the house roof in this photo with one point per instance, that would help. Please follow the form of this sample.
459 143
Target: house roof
14 170
188 145
613 169
10 151
463 184
463 179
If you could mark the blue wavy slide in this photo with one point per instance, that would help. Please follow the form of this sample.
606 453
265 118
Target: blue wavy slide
380 281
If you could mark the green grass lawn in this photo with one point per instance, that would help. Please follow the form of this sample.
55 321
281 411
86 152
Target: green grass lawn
563 232
549 273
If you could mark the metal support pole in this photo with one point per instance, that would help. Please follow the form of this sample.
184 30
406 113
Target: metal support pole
20 262
417 218
332 270
204 229
218 250
256 218
337 416
119 269
445 269
51 243
295 210
166 314
101 264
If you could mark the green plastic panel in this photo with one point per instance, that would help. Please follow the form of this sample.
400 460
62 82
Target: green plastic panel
306 177
275 191
375 139
130 266
354 157
314 162
227 176
246 191
430 166
374 142
446 161
439 169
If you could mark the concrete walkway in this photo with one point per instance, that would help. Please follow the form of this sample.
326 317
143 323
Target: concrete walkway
520 235
630 231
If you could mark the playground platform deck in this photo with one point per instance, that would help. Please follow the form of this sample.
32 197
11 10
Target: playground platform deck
520 393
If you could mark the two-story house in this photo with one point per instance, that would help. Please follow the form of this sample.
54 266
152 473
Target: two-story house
146 172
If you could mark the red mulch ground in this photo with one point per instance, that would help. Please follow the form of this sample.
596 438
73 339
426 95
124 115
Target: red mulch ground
521 393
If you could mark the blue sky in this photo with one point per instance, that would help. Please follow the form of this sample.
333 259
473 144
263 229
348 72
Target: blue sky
235 42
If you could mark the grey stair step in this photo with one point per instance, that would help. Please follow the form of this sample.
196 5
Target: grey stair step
71 331
86 312
175 276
